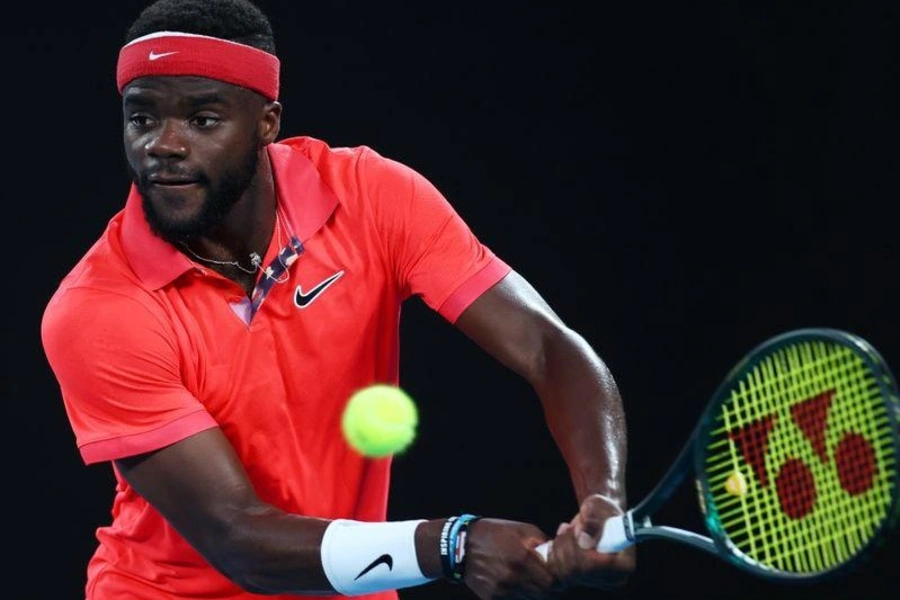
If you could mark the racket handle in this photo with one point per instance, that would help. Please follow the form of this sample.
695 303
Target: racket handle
613 539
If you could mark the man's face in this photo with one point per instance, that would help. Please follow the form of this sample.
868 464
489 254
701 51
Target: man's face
192 146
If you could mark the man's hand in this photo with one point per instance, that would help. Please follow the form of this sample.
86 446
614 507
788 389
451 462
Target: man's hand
500 561
573 558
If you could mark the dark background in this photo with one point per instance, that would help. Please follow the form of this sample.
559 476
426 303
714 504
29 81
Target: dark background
679 180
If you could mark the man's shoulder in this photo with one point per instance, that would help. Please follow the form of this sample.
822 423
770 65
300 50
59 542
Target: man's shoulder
100 273
351 173
324 154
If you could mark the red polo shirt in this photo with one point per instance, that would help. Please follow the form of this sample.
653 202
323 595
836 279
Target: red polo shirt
150 347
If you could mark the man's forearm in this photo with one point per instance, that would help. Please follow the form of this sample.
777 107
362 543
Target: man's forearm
585 415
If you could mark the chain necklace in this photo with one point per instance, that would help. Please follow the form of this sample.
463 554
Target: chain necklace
255 258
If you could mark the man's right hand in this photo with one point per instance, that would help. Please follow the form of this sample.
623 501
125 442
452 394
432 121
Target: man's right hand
501 562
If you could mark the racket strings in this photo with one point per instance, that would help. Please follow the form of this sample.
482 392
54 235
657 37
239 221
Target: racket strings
801 468
834 529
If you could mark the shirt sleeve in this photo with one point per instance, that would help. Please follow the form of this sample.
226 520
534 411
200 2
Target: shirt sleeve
434 252
118 371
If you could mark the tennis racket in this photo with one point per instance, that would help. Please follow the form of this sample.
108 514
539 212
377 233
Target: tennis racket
795 460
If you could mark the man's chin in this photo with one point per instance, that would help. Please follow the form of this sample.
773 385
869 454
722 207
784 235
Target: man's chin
172 230
173 235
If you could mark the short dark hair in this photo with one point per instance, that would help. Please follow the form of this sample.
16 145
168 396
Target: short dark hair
235 20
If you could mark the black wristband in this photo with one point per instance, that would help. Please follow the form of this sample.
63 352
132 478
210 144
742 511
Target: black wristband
446 559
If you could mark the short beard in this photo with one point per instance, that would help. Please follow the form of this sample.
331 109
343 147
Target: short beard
220 200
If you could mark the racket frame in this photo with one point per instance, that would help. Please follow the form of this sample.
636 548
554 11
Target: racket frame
636 524
722 545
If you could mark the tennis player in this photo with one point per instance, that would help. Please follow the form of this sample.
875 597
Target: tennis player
206 344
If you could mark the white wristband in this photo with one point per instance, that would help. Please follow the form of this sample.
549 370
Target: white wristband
363 557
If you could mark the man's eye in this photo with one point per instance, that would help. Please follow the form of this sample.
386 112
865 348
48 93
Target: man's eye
141 121
204 122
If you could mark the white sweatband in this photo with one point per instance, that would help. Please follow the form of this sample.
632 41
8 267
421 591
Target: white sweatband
363 557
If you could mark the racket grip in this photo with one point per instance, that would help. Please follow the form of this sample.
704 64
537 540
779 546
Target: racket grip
613 539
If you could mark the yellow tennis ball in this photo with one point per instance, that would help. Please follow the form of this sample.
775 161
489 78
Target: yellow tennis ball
380 420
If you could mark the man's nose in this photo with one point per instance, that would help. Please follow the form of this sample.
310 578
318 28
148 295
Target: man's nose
168 141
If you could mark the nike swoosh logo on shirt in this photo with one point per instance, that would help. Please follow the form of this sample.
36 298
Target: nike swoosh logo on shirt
384 559
303 299
154 56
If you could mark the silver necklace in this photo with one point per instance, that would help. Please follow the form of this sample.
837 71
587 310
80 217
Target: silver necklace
255 258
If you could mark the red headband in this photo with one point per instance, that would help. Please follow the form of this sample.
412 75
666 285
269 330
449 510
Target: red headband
176 53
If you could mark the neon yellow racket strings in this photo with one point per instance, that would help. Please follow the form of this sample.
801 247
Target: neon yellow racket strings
800 459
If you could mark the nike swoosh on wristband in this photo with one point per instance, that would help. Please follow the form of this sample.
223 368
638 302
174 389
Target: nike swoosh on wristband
384 559
302 300
154 56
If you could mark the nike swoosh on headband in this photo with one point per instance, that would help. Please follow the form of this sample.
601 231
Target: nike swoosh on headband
154 56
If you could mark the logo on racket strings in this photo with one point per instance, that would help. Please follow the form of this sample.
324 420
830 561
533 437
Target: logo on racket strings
795 484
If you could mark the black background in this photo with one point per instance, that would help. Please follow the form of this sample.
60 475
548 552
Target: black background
679 180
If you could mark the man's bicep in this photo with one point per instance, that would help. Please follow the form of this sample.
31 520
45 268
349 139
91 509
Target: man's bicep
512 322
201 488
198 483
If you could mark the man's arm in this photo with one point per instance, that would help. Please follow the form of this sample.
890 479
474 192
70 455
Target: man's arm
202 489
581 402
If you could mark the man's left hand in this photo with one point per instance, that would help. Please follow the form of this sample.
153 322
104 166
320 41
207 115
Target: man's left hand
573 558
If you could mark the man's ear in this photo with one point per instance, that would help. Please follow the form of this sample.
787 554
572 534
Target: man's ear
270 125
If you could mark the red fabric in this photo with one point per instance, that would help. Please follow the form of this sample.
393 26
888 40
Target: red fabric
174 53
148 350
